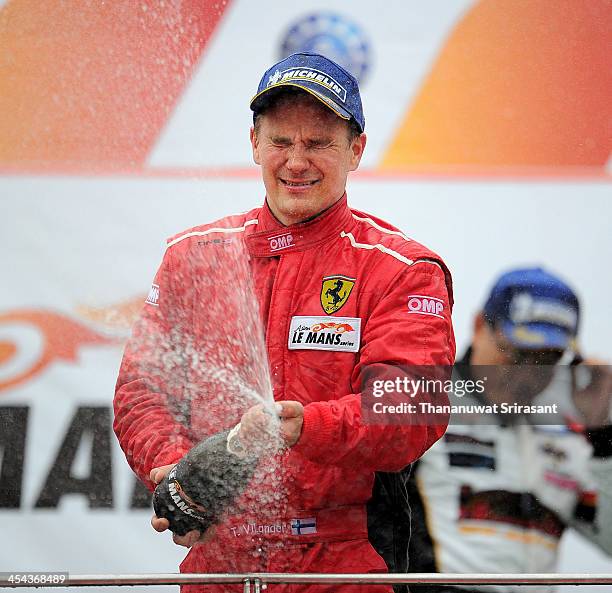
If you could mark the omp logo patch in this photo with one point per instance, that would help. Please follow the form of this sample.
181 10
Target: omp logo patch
279 242
339 334
425 305
153 297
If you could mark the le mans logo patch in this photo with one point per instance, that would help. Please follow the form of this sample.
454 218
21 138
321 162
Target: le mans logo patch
340 334
335 292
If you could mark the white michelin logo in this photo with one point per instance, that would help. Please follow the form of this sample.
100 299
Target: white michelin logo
311 75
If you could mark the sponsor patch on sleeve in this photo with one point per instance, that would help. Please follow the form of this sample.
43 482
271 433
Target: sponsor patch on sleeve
420 304
339 334
153 297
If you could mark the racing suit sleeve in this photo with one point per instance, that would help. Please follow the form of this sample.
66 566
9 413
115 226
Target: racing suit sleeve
394 338
149 421
593 514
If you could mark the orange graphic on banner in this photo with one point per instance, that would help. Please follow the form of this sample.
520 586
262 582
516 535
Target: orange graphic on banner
518 84
61 339
117 318
88 85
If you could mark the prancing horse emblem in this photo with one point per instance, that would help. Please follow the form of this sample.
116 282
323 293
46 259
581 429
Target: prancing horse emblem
335 292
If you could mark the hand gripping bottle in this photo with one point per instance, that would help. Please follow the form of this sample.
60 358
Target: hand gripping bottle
204 483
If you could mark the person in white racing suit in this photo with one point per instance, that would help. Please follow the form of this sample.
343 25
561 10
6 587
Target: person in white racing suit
497 492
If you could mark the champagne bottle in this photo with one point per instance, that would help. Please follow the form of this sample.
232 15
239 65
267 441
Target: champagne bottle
204 483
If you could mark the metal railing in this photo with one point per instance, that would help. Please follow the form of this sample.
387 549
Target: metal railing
256 582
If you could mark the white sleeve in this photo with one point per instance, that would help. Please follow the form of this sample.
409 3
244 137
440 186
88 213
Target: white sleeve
598 528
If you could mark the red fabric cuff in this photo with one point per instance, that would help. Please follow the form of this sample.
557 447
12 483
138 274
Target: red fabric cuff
171 456
316 431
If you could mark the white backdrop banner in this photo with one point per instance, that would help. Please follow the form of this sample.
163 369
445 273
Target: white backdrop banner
123 123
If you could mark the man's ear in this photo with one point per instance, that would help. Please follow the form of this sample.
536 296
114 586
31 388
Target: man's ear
482 330
255 145
479 322
357 147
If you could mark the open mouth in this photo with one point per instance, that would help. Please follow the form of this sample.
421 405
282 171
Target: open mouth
299 184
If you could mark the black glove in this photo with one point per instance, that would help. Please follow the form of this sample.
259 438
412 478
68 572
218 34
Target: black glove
203 484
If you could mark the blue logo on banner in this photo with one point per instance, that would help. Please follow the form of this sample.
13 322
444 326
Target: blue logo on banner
333 36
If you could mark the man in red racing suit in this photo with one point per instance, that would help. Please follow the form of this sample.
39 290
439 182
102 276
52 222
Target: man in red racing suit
339 272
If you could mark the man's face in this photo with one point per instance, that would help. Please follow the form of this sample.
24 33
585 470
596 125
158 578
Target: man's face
519 374
305 156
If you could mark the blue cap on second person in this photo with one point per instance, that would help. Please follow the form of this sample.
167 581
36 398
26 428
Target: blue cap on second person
534 309
321 77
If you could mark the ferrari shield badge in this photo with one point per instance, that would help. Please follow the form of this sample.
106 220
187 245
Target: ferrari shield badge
335 292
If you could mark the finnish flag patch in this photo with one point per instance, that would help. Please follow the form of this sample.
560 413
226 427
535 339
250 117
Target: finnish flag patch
303 526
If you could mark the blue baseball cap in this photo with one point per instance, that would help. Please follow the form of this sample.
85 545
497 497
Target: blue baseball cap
330 83
534 309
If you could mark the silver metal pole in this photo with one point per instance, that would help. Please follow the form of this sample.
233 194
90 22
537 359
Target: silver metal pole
258 579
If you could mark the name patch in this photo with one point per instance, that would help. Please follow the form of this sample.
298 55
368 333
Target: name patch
340 334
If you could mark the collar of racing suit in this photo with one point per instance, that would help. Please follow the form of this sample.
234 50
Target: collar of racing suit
273 239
